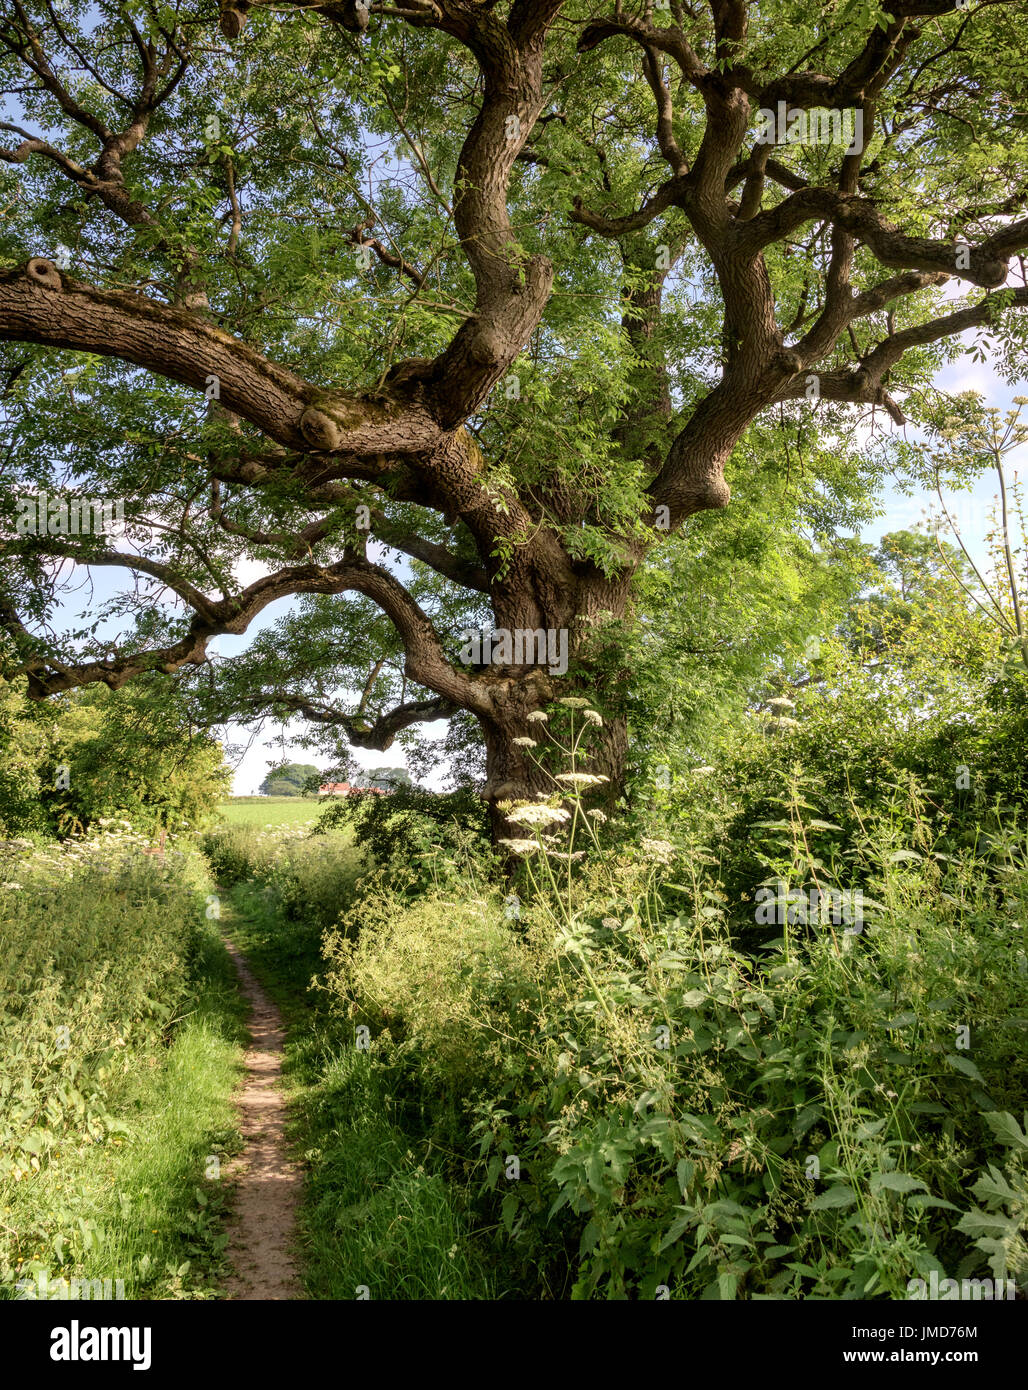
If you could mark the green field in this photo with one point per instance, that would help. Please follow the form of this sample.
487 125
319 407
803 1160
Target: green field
269 810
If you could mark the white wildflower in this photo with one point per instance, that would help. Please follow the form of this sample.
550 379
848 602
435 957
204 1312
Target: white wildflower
538 815
523 847
537 716
592 716
661 850
581 779
573 702
525 742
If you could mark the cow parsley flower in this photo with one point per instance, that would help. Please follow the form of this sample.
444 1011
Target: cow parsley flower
661 850
538 815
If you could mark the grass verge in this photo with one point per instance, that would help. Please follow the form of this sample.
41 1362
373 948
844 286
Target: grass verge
378 1218
113 1148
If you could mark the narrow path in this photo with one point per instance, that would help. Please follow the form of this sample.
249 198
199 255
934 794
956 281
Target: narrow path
263 1225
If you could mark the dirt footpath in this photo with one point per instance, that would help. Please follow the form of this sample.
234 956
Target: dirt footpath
262 1228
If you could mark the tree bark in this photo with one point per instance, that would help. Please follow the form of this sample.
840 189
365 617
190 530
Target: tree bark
596 674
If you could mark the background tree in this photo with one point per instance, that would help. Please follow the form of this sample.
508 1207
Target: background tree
291 779
388 778
984 439
508 292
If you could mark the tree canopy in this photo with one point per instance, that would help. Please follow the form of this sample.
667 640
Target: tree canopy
291 779
451 315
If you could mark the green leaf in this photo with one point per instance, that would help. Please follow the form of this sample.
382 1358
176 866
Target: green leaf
839 1196
685 1172
869 1128
896 1182
982 1223
965 1065
1006 1129
675 1231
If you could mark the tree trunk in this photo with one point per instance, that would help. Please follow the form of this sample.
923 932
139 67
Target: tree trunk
513 772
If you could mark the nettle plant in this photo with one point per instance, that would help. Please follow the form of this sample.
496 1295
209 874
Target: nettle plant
450 316
702 1123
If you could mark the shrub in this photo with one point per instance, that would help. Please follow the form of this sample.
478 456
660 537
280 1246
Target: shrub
99 754
95 940
803 1120
424 836
445 978
308 874
100 950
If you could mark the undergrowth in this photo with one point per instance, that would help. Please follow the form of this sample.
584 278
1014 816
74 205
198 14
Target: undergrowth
121 1029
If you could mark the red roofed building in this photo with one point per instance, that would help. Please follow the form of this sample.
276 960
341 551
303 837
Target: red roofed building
345 789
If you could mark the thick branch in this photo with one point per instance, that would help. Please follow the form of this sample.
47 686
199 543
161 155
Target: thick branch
426 661
986 264
863 384
39 304
360 734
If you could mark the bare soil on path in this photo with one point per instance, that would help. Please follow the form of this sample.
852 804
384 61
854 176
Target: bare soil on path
262 1229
